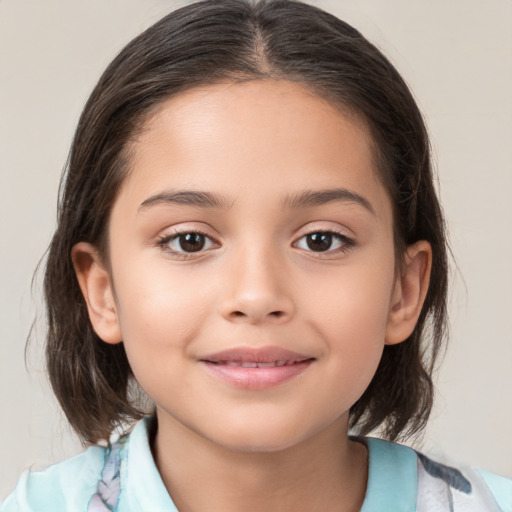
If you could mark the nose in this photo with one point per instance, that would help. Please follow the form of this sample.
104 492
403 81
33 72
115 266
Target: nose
257 290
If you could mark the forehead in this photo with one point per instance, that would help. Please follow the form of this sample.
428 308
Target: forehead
234 138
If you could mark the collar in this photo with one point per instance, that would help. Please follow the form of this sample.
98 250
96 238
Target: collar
142 484
392 476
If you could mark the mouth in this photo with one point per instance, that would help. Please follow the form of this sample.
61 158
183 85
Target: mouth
256 369
255 364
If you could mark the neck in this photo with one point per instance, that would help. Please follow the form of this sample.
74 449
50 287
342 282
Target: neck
327 472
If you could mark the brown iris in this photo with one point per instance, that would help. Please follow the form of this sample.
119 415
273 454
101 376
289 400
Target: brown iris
319 241
191 242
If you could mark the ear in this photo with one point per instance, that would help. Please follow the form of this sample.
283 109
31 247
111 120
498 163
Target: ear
410 291
95 283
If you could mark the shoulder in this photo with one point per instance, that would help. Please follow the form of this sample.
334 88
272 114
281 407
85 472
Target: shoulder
430 485
501 488
467 488
97 480
67 485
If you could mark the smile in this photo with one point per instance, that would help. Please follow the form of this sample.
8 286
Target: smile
254 364
256 369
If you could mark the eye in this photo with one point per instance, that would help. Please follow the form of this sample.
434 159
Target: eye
187 242
324 241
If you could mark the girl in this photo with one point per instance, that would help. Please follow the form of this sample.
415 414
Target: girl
249 235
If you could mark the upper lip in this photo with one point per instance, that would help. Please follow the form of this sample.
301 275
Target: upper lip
255 355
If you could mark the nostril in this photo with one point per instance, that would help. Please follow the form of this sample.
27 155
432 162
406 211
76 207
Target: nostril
274 314
254 314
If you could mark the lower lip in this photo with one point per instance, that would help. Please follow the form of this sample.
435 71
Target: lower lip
256 378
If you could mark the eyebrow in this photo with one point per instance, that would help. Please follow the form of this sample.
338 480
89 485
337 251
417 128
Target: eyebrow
188 198
310 198
304 199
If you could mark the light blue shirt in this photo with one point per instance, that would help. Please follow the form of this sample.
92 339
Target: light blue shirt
124 478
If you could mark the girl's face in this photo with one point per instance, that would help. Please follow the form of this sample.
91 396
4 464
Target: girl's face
252 265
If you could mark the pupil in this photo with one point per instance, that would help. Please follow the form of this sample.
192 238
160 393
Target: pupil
192 242
319 241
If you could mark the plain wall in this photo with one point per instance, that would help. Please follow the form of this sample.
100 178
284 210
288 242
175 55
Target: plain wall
457 57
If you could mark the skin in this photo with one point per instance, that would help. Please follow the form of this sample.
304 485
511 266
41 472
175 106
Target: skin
256 283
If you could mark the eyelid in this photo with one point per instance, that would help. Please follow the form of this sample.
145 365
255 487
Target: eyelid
187 227
347 239
174 232
171 233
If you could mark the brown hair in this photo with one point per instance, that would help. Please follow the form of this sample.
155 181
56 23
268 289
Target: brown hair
204 43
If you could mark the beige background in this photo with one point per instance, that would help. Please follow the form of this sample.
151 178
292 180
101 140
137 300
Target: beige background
457 56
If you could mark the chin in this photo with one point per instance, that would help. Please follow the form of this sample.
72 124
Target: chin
260 445
268 438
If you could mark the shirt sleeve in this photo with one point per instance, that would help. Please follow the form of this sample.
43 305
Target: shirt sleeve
63 487
500 487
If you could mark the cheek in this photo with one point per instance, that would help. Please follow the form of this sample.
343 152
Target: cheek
354 303
350 314
159 312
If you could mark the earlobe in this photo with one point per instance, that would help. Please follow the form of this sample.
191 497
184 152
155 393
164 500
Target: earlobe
410 291
96 286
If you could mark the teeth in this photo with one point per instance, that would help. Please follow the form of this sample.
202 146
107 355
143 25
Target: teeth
253 364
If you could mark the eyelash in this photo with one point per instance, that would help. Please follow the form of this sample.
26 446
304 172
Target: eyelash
163 242
346 243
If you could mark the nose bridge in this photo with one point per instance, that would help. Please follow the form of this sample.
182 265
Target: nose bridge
257 288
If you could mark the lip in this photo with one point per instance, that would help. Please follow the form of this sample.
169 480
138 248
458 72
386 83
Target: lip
256 368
